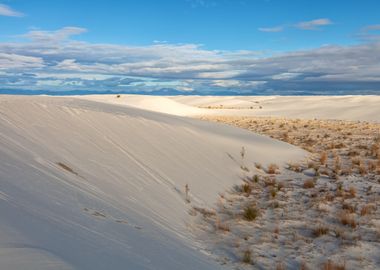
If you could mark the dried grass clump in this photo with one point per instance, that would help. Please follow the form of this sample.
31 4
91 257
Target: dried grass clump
247 257
309 183
272 168
280 266
372 166
347 219
367 209
246 188
255 178
330 265
269 182
350 208
273 192
320 230
337 164
352 191
362 169
250 213
323 158
356 161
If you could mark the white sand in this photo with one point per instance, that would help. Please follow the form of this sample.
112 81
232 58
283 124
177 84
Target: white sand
364 108
123 205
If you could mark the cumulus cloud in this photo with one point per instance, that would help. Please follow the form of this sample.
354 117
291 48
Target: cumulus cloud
66 64
314 24
8 11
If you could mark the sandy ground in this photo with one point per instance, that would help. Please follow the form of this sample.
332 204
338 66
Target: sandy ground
100 182
97 185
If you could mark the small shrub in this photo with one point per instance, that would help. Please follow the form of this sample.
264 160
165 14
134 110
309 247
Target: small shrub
309 183
320 230
246 188
352 191
273 192
247 257
356 161
258 166
347 219
255 178
280 266
362 169
367 209
329 265
272 168
250 213
323 158
350 208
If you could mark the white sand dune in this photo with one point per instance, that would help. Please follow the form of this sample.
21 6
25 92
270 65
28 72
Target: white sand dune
152 103
364 108
94 185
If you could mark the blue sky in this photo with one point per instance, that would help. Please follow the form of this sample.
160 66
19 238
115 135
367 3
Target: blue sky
258 46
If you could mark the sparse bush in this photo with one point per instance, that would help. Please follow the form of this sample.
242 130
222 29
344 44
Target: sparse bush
323 158
250 213
350 208
280 266
246 188
309 183
356 161
258 166
247 257
320 230
347 219
273 192
255 178
367 209
272 168
329 265
352 191
362 169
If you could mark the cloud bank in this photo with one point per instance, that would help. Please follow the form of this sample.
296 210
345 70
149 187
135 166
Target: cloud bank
53 60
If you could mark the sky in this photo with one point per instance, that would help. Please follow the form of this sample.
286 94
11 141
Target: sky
191 46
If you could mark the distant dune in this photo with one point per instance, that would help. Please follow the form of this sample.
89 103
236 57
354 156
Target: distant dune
365 108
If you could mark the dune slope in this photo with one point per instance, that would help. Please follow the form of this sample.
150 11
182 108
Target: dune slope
88 185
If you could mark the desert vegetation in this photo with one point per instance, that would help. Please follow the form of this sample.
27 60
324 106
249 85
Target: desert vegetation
320 213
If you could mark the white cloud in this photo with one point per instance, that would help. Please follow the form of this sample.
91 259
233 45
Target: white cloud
54 36
71 64
8 11
10 61
272 29
370 33
314 24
